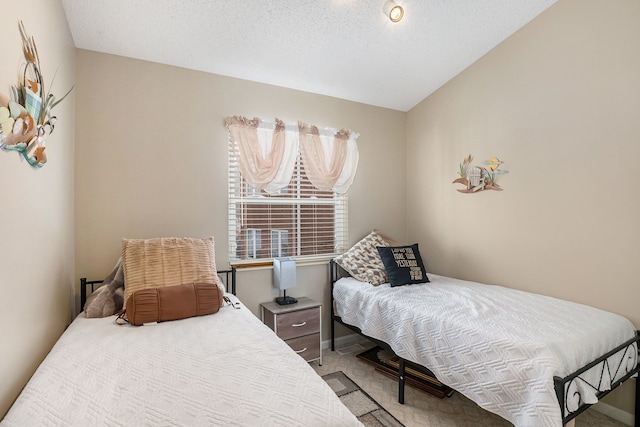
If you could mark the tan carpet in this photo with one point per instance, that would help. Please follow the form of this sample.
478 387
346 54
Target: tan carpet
422 409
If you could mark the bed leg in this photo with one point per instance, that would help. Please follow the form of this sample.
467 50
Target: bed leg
637 410
333 334
401 382
332 278
571 423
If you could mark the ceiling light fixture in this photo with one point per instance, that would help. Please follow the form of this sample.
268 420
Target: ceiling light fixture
394 11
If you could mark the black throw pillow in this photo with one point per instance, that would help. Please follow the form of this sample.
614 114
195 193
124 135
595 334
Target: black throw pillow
403 264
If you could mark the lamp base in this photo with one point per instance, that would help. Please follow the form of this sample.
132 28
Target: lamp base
286 300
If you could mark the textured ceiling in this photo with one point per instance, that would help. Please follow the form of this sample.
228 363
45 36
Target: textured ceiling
342 48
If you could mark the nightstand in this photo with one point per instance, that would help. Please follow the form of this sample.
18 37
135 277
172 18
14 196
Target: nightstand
297 324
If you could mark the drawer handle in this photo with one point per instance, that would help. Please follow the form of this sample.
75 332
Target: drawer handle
301 351
297 325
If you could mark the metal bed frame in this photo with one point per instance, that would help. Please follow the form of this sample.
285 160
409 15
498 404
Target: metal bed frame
230 285
559 383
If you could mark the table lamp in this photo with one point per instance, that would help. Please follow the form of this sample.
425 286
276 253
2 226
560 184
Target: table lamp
284 277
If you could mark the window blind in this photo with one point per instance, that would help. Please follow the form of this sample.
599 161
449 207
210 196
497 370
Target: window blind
298 221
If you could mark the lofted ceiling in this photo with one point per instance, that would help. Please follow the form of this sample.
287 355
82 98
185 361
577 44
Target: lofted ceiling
342 48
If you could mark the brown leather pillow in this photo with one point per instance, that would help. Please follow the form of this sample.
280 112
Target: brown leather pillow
173 302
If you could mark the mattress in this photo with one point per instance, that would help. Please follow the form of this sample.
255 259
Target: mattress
500 347
222 369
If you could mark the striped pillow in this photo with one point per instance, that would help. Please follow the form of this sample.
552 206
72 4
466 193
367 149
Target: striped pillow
166 261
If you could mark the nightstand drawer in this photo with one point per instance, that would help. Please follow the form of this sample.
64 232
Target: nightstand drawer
298 323
308 347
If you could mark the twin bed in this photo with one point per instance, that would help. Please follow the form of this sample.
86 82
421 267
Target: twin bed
532 359
221 369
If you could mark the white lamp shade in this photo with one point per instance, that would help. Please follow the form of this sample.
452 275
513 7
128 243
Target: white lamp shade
284 273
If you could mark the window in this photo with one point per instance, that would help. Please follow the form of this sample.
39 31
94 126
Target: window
287 189
298 221
254 242
279 243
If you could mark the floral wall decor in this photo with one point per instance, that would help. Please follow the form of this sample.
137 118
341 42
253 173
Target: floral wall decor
479 178
26 118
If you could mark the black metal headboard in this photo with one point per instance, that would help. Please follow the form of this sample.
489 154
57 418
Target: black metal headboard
228 279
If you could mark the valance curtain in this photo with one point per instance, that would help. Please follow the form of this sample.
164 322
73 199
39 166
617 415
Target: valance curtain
267 153
330 157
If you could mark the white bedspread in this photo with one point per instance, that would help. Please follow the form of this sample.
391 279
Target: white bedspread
500 347
225 369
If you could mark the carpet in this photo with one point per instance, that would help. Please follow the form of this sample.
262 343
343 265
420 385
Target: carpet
364 407
415 375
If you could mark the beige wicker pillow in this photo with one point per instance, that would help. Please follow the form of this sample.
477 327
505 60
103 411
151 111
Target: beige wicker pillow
166 261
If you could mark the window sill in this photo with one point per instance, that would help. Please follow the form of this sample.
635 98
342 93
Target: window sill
267 264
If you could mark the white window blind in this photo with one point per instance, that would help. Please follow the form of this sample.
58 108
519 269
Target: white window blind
299 221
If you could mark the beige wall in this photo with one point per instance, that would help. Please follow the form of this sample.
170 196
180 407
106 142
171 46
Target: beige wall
151 160
558 102
36 230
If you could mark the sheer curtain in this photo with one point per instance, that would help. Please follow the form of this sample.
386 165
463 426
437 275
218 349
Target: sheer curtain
330 157
267 153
